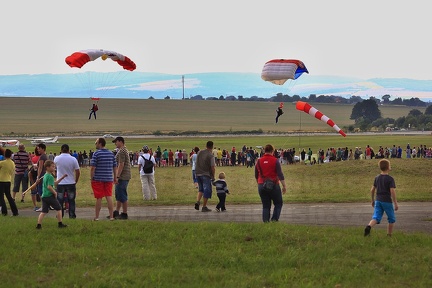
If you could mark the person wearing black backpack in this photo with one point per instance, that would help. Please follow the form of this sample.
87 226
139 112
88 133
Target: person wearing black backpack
146 167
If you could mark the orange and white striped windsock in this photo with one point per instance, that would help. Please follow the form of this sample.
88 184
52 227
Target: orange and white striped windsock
306 107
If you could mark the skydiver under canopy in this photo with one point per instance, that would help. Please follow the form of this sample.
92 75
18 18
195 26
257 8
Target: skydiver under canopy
93 111
279 112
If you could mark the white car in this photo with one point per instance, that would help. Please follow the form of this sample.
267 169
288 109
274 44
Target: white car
108 136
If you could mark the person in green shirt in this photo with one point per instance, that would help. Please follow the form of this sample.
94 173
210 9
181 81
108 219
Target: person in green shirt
49 195
309 153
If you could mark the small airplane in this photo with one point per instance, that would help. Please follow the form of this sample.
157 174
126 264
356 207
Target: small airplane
9 142
36 141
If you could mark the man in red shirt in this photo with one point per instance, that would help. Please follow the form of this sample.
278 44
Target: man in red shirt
368 152
268 167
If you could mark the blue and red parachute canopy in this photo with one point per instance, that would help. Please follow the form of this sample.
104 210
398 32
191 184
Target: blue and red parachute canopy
278 71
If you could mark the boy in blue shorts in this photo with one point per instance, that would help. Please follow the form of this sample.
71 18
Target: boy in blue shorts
385 186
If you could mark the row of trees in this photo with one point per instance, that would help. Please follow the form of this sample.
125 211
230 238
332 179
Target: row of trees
413 102
367 117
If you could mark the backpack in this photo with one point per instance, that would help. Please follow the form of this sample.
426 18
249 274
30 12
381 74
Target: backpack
148 165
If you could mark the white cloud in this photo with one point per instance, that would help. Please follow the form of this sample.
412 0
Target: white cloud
167 85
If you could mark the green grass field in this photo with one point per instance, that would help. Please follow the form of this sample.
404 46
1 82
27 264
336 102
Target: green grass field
21 116
160 254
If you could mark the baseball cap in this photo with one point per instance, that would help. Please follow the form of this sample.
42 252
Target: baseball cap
145 148
118 138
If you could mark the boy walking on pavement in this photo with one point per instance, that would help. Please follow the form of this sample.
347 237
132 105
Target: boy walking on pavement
384 186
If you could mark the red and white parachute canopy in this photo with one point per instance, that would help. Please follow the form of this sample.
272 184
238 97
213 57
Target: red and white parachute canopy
80 58
95 99
306 107
278 71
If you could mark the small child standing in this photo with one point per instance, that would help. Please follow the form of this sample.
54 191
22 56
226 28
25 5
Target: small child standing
49 195
222 190
385 186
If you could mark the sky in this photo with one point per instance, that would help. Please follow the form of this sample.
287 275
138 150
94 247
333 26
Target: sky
362 39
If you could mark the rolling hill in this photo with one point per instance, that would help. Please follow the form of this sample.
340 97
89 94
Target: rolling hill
141 85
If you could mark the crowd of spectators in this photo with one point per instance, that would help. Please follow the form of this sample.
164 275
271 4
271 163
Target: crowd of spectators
247 155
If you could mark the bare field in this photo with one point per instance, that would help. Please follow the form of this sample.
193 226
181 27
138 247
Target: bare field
24 116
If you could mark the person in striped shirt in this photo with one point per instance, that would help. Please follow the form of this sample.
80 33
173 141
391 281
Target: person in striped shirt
22 161
103 172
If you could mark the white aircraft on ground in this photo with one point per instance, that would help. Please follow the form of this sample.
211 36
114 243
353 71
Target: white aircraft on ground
36 141
9 142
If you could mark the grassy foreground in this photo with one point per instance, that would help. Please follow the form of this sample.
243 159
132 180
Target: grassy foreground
160 254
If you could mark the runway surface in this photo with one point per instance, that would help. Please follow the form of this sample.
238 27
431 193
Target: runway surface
411 216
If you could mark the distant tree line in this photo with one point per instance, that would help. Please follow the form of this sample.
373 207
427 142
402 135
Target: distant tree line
365 113
280 97
367 117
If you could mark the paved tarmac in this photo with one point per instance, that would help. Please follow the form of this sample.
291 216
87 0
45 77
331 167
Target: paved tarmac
411 216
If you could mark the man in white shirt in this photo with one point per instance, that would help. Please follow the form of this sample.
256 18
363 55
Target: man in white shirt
67 165
147 179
